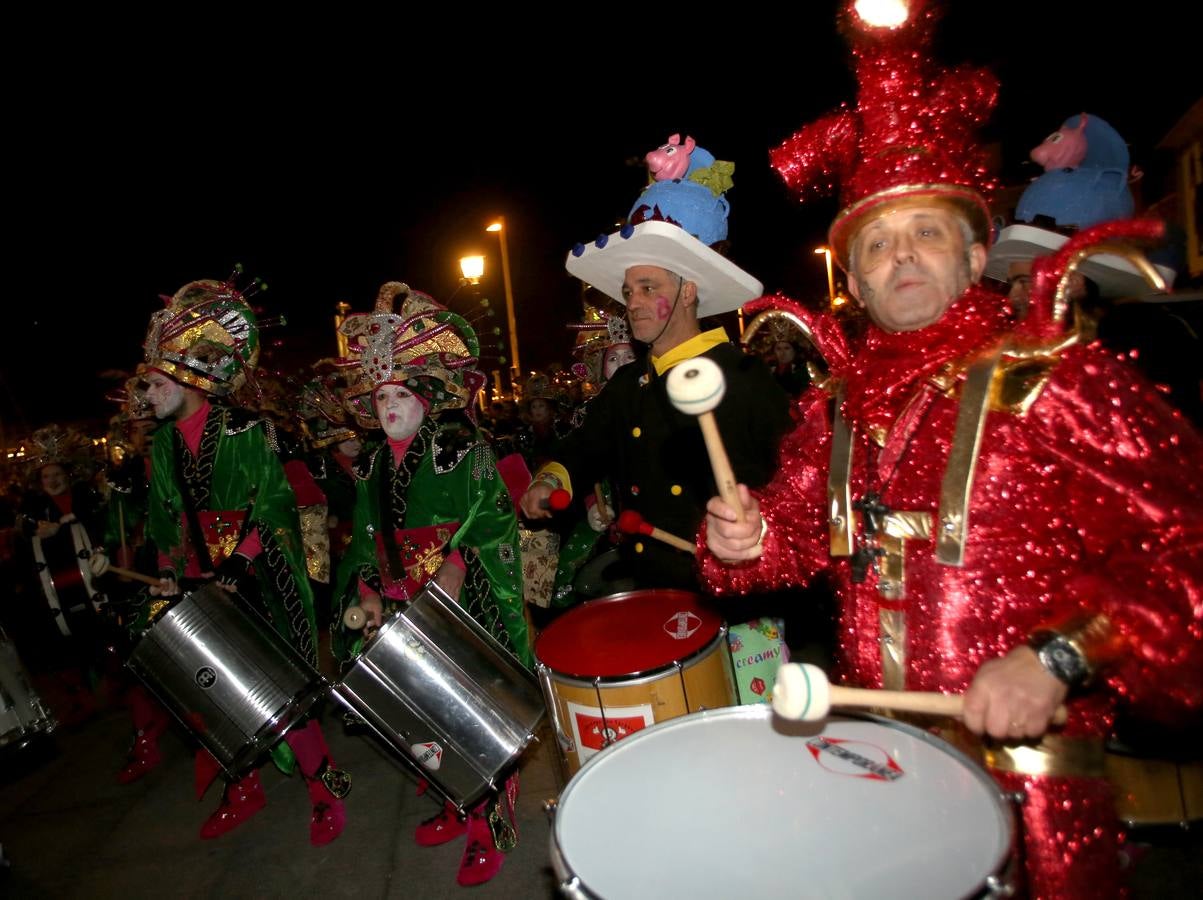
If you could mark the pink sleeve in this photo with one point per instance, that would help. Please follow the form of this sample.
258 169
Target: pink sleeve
250 547
458 561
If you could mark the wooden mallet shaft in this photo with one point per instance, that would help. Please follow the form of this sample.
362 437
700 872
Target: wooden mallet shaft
133 576
720 464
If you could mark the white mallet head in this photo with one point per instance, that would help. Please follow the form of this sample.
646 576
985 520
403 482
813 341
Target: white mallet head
802 692
696 386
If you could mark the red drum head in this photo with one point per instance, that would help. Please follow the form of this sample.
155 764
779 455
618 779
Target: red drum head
627 634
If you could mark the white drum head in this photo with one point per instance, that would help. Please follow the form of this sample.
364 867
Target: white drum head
737 803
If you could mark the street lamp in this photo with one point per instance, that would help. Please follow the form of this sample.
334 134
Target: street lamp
515 365
473 268
826 251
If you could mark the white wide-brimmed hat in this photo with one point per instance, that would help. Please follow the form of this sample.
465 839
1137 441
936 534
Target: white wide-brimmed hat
1114 275
722 285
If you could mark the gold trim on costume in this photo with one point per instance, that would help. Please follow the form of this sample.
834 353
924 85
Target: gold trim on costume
962 461
839 484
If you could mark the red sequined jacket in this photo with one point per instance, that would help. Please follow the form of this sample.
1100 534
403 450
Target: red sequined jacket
1087 497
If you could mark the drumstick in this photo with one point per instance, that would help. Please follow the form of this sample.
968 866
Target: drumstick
803 692
134 576
630 522
696 387
355 618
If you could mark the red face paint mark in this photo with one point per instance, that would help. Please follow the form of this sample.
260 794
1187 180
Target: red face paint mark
664 308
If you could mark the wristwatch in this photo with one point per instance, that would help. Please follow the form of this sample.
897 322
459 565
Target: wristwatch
1063 659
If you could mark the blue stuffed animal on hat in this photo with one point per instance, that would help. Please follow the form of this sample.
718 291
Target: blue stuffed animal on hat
1086 176
686 189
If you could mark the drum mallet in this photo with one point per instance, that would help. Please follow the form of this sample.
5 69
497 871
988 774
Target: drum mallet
803 692
696 387
630 522
354 617
134 576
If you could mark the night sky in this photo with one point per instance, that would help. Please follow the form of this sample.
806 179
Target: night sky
331 154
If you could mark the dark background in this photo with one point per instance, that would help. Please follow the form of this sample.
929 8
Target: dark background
329 151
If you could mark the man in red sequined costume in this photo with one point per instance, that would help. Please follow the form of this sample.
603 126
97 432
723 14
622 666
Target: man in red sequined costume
1014 516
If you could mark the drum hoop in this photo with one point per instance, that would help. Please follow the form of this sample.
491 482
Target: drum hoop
646 676
683 595
1001 872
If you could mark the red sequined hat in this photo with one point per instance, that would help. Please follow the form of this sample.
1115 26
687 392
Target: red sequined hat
909 139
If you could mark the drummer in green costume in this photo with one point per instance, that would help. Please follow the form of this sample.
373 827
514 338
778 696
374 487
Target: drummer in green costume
430 505
222 509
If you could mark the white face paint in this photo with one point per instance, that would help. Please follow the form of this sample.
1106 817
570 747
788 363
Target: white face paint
54 479
399 411
617 356
165 395
350 448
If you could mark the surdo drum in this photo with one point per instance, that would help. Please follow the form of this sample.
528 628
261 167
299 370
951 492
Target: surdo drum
615 665
227 675
443 694
737 803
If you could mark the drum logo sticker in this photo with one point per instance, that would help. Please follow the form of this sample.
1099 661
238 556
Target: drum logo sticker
592 732
206 677
428 753
682 625
866 761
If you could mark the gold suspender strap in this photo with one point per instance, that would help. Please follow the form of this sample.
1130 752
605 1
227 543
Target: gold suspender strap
962 461
839 483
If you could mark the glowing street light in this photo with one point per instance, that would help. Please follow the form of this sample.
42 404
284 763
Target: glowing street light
473 268
515 365
826 251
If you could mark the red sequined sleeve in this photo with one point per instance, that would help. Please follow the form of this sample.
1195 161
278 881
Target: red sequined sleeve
795 546
1136 492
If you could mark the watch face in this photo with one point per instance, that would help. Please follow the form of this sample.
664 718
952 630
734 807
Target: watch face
1063 661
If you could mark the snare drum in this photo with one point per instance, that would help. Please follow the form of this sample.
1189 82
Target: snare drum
227 675
446 696
23 716
851 807
618 664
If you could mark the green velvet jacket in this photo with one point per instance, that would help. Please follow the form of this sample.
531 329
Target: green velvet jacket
237 469
448 474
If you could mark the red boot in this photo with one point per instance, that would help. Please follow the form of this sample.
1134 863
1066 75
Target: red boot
143 756
491 834
327 785
238 803
440 829
150 721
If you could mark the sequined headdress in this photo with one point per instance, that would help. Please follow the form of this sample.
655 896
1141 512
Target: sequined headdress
910 137
598 331
207 337
424 346
320 407
55 445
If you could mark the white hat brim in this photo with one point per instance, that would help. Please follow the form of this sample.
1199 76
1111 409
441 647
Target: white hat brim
1114 275
722 285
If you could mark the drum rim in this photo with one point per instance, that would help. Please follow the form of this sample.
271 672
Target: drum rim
634 679
567 878
616 598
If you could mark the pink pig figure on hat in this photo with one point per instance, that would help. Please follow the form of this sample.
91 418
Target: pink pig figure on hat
670 161
1065 148
673 160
